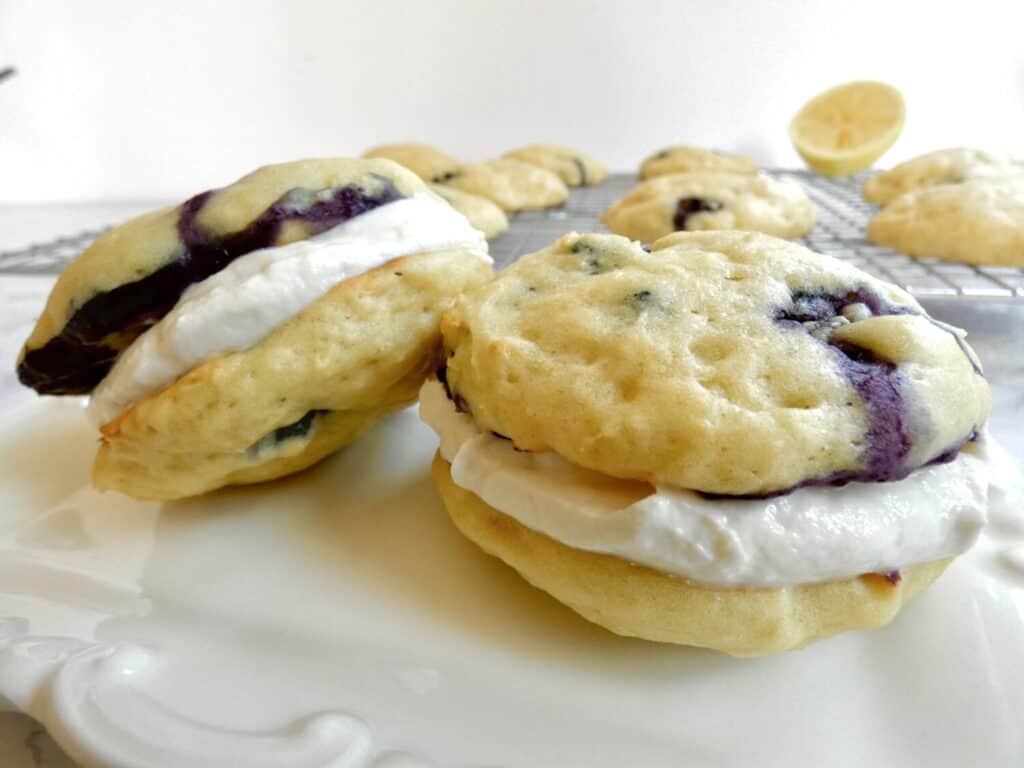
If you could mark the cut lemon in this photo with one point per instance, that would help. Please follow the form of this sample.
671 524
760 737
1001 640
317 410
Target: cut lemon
846 128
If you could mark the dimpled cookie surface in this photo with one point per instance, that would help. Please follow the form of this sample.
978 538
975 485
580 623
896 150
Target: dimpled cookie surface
575 168
703 200
429 163
683 159
980 221
725 362
944 166
512 184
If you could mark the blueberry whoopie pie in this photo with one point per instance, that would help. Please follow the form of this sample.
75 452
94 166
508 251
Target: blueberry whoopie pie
726 440
252 330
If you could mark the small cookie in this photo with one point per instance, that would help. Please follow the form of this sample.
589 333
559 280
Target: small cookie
778 366
703 200
944 166
429 163
512 184
481 212
684 159
980 221
574 168
253 329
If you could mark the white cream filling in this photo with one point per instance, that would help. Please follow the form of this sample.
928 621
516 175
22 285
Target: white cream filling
813 534
235 308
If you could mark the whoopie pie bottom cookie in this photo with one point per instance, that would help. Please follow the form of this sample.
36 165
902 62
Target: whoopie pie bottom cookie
637 601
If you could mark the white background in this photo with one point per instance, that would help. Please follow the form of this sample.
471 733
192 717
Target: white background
118 99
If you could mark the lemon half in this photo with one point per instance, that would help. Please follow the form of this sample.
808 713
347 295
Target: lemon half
846 128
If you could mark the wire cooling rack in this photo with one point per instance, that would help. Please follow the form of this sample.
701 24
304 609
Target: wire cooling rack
842 221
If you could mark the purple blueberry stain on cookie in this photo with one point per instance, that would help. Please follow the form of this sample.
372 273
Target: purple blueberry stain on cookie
77 359
879 383
893 577
691 206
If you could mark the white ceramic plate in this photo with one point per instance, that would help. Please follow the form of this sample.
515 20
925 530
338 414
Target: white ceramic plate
338 619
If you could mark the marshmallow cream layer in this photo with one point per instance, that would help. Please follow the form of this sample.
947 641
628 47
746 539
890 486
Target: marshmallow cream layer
235 308
813 534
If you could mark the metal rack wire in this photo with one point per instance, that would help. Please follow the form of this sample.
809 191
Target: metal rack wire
842 220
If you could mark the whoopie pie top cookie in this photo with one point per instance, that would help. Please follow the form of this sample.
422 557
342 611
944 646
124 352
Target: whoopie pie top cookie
711 200
429 163
134 274
683 159
944 166
724 362
575 168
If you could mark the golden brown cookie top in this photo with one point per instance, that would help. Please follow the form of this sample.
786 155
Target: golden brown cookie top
682 159
575 168
725 362
943 166
429 163
701 200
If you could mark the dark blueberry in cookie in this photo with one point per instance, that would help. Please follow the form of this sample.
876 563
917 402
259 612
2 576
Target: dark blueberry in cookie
77 359
641 301
441 178
297 429
581 169
596 260
688 206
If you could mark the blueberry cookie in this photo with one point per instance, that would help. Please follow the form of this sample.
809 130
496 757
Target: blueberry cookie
980 221
728 441
427 162
684 159
511 184
481 212
253 329
574 168
711 200
944 166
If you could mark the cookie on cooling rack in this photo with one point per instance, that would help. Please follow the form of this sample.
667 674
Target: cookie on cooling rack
683 159
575 168
980 222
481 212
511 184
944 166
729 441
429 163
254 329
711 200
